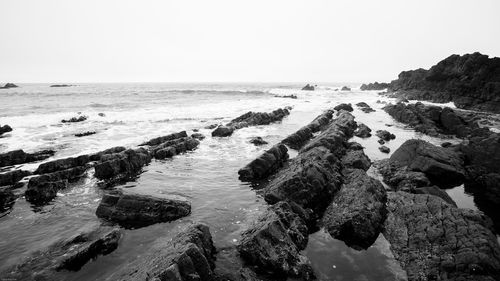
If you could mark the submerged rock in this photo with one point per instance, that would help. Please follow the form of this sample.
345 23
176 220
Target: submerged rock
135 210
189 255
345 88
174 147
304 134
374 86
7 198
60 85
357 213
308 88
5 129
16 157
434 240
160 140
198 136
258 141
265 165
44 191
250 119
365 107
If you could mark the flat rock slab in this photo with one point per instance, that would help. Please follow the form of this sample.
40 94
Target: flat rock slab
434 240
189 255
135 210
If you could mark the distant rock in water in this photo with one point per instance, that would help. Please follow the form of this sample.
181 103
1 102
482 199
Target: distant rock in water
345 88
80 118
84 134
384 149
344 106
60 85
9 85
308 88
471 81
250 119
5 129
258 141
374 86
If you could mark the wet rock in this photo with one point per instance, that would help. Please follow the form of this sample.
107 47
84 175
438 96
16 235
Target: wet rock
43 191
365 107
356 159
12 177
60 85
80 118
345 88
385 135
66 255
374 86
381 141
384 149
304 134
436 191
62 164
213 126
258 141
189 255
363 131
486 191
174 147
84 134
275 240
135 210
7 198
160 140
266 164
198 136
9 85
358 212
250 119
122 165
97 156
308 88
101 114
16 157
399 177
442 166
344 106
5 129
434 240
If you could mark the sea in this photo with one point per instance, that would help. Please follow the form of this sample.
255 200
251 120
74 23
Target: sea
127 114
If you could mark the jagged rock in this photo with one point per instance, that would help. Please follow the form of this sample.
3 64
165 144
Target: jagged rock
442 166
357 213
434 240
62 164
65 255
135 210
374 86
84 134
344 106
189 255
16 157
5 129
258 141
9 85
308 88
399 177
173 147
304 134
345 88
250 119
265 165
12 177
384 149
43 192
160 140
275 240
356 159
198 136
363 131
385 135
80 118
122 165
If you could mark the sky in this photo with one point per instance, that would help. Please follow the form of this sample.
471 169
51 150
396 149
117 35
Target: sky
237 41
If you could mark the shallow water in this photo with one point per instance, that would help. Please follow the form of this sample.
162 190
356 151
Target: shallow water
207 176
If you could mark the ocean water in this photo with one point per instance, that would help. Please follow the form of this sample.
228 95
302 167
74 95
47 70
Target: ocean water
134 113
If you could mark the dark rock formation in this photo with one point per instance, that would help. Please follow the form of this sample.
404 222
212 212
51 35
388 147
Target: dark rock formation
84 134
160 140
434 240
308 88
304 134
213 126
62 164
97 156
44 191
188 256
265 165
80 118
363 131
173 147
16 157
344 106
198 136
60 85
365 107
444 167
7 198
250 119
471 81
345 88
275 240
385 135
258 141
384 149
357 213
5 129
135 210
355 158
12 177
66 255
9 85
123 165
374 86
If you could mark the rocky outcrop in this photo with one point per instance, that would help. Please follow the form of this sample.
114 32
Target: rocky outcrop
384 149
7 198
374 86
5 129
250 119
355 158
84 134
471 81
41 189
275 240
169 149
434 240
9 85
365 107
443 166
304 134
363 131
66 255
385 135
17 157
12 177
308 88
189 255
160 140
357 213
266 164
135 210
344 106
80 118
123 165
62 164
345 88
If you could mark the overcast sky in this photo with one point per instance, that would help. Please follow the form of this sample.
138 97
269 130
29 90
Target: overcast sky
218 41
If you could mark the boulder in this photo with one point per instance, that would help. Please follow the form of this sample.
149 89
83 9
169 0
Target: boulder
433 240
223 131
189 255
308 88
135 210
122 165
363 131
275 240
250 119
384 149
357 213
62 164
257 141
174 147
266 164
44 191
16 157
344 106
365 107
385 135
355 158
304 134
97 156
5 129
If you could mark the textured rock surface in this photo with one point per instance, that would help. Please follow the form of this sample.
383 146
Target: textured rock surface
365 107
344 106
7 199
16 157
5 129
160 140
12 177
122 165
250 119
266 164
374 86
357 213
308 88
304 134
173 147
363 131
189 255
436 241
385 135
62 164
135 210
356 159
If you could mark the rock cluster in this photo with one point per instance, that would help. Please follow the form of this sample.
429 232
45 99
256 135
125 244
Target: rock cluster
122 165
250 119
363 131
374 86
